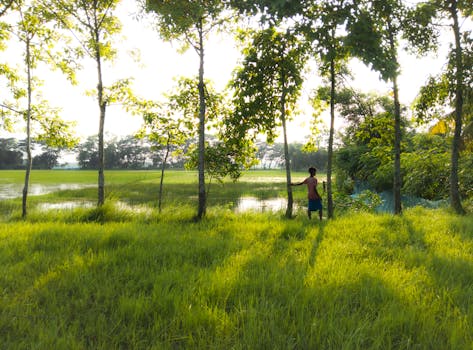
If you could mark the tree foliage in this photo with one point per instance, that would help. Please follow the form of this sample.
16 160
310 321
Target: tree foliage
37 37
94 25
10 155
368 142
191 22
267 87
452 81
273 64
437 97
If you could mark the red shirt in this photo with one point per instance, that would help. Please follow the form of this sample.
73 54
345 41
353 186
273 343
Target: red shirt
311 183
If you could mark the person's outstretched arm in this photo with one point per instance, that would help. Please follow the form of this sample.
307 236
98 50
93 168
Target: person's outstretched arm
298 183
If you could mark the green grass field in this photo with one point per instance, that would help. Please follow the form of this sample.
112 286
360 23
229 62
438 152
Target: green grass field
130 278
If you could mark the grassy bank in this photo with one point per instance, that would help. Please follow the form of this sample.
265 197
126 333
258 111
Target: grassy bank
248 281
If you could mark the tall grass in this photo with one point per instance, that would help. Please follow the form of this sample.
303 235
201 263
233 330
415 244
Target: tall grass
246 281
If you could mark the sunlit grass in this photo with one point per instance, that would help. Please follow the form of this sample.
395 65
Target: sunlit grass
246 281
126 276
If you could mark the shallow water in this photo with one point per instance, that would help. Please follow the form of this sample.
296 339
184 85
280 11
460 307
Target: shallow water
9 191
243 204
387 199
261 205
387 204
65 205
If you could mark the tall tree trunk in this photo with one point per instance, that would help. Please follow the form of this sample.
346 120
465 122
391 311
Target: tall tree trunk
455 200
28 131
330 139
397 182
160 197
290 199
102 107
201 168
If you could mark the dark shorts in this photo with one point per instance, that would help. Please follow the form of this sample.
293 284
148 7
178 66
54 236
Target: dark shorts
315 204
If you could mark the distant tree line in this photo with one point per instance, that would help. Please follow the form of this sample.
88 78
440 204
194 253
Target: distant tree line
12 155
271 156
129 152
132 153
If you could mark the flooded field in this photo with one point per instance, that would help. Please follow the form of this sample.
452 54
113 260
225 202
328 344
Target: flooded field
65 205
69 205
243 204
261 205
9 191
137 191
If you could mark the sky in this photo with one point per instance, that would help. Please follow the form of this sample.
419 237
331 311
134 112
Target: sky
160 63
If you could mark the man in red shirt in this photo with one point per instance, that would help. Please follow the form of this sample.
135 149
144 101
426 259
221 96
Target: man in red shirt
315 200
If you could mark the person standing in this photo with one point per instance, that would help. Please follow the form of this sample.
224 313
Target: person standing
315 200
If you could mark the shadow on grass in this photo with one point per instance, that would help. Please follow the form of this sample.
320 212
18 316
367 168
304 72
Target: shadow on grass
248 282
315 247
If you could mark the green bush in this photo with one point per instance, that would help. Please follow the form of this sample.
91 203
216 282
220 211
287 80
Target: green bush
426 174
465 175
365 201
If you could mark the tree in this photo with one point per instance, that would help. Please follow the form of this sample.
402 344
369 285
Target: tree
5 5
267 87
320 23
131 152
373 35
94 26
270 11
34 32
368 142
457 80
302 159
46 160
220 162
191 22
87 154
5 70
125 153
10 156
423 163
164 128
322 27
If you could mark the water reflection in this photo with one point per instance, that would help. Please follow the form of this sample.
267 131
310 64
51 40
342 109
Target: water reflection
244 204
64 205
260 205
89 204
9 191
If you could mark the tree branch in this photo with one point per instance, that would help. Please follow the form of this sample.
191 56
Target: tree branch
10 108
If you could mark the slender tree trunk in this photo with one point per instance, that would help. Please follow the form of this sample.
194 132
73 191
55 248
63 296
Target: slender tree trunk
455 200
28 132
397 182
201 168
330 140
290 199
160 197
102 107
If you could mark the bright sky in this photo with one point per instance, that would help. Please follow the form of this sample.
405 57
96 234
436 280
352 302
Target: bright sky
160 63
